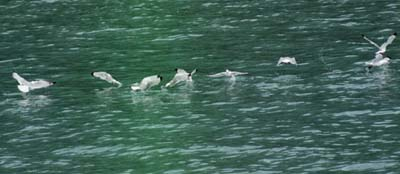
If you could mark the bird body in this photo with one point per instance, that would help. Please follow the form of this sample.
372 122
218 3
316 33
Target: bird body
379 60
286 60
106 77
228 73
26 86
147 83
181 76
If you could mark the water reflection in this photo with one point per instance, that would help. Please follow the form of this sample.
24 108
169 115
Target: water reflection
34 101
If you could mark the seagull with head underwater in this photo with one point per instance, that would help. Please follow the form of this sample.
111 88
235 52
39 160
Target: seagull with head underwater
147 83
26 86
228 73
181 76
106 77
286 60
380 57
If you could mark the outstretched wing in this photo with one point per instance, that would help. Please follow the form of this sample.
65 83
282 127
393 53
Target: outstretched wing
388 42
193 72
221 74
235 73
20 80
371 42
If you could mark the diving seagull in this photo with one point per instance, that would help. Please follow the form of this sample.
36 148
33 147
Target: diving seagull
228 73
181 76
147 83
107 77
286 60
382 48
26 86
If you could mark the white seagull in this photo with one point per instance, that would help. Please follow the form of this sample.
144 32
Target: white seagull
26 86
286 60
180 76
379 60
380 57
382 48
147 83
228 73
107 77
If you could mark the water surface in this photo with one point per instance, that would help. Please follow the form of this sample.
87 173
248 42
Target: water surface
326 115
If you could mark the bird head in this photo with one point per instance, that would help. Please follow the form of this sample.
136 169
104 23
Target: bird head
160 77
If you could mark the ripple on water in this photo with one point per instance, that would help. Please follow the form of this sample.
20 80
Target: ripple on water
381 165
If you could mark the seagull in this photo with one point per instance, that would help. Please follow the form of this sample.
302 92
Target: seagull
380 57
147 83
228 73
382 48
286 60
180 76
379 60
26 86
107 77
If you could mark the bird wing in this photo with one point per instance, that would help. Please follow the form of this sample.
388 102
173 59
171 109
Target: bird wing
221 74
179 77
149 82
371 42
377 57
235 73
135 87
193 72
20 80
279 62
388 42
178 70
293 61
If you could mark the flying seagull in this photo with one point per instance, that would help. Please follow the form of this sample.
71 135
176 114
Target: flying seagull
286 60
181 76
26 86
147 83
107 77
382 48
228 73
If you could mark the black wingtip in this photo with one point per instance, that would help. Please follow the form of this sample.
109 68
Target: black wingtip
92 73
53 83
160 77
395 33
362 35
176 69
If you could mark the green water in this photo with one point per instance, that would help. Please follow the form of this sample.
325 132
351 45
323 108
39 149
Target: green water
326 115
